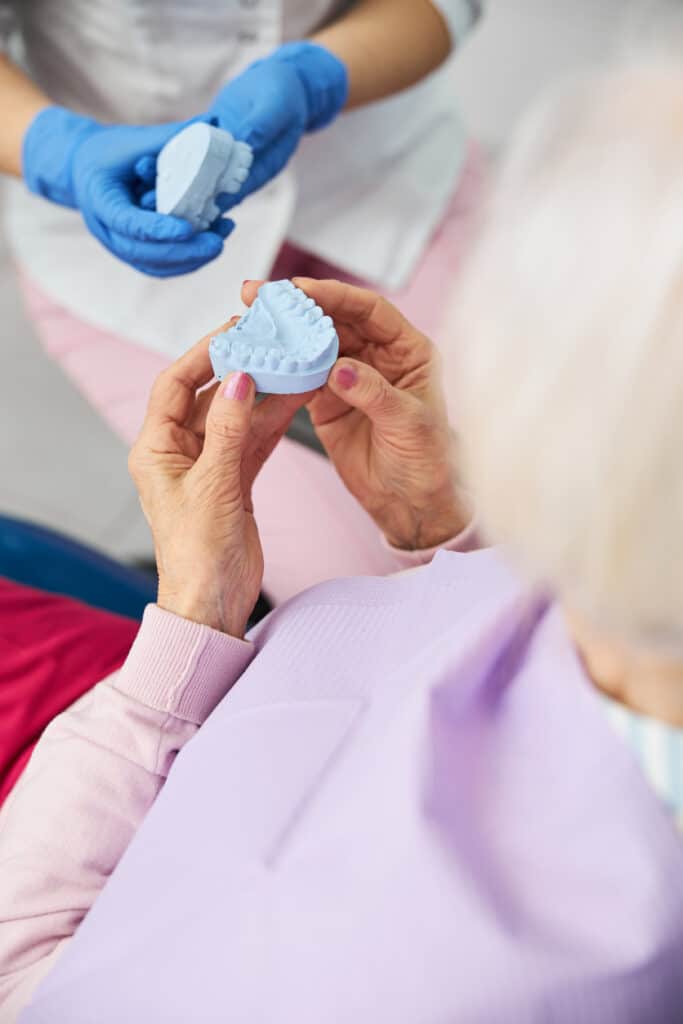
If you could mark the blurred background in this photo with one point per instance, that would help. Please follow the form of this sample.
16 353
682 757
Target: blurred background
521 47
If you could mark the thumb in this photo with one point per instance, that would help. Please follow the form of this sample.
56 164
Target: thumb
364 388
146 169
250 291
228 423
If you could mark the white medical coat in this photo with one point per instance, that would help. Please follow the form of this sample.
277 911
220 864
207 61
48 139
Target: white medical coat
365 194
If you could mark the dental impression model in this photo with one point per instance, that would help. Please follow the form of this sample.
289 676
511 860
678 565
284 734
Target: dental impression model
194 167
284 342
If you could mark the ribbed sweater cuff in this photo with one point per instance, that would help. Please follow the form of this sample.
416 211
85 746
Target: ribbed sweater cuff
467 540
181 667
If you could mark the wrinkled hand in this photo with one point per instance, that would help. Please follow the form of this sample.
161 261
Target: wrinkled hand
75 161
194 465
382 418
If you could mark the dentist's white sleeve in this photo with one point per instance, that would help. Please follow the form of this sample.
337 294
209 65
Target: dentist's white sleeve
461 15
6 25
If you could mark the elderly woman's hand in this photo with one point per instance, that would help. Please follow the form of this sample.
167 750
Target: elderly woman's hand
382 418
194 465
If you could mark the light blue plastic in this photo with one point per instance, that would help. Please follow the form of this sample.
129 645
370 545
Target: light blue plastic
284 342
193 168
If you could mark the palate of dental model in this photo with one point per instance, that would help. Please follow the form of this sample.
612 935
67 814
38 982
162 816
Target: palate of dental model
284 342
194 167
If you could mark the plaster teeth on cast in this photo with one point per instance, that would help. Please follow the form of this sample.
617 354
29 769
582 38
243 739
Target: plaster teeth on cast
284 341
197 165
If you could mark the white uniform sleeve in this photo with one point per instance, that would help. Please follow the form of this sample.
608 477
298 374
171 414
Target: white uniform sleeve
461 15
6 24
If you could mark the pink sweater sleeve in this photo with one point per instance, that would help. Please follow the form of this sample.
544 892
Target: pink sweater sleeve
91 780
468 539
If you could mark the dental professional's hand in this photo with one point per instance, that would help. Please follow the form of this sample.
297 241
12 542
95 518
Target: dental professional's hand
300 87
194 465
74 161
382 418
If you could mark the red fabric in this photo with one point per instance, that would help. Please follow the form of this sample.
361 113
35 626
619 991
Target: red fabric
52 649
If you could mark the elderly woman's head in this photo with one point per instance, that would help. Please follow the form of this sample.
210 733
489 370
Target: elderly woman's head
570 353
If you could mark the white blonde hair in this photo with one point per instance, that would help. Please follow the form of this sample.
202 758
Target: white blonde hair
568 351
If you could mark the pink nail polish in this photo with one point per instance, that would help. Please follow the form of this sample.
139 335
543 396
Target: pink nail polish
346 377
237 387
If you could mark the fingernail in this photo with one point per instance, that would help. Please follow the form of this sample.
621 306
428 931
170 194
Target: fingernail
237 387
248 281
346 377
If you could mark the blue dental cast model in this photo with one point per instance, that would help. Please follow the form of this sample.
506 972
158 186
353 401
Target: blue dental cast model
198 164
284 342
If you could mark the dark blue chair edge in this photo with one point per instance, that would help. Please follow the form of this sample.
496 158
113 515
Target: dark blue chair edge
40 557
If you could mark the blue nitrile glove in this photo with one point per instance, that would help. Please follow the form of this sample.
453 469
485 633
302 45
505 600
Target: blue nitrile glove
300 87
77 162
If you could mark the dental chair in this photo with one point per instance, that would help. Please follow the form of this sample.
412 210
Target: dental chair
47 560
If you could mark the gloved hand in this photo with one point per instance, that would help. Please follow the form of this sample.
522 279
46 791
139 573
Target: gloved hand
299 88
77 162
